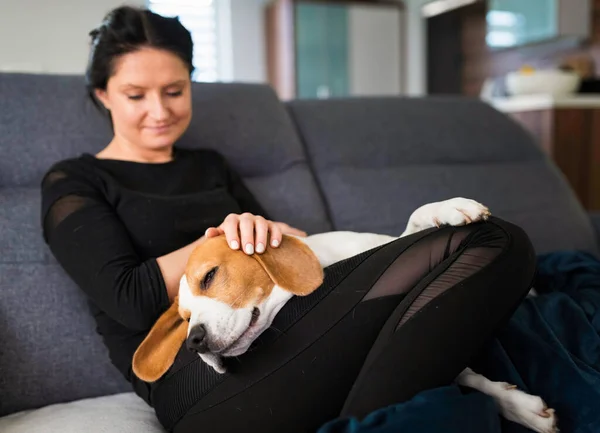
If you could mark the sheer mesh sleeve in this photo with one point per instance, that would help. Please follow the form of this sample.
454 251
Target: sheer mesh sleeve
92 245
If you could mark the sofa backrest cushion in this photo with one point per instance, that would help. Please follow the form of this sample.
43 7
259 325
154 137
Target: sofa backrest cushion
46 118
51 352
50 349
378 159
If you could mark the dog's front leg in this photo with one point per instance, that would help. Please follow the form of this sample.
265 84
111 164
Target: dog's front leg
515 405
454 212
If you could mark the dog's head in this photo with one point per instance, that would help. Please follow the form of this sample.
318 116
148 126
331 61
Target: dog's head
226 300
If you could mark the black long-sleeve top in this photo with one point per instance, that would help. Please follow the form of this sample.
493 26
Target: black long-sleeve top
106 222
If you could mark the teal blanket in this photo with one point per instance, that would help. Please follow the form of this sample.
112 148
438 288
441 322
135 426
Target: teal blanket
550 348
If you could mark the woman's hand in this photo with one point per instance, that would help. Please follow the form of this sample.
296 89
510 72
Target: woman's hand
251 232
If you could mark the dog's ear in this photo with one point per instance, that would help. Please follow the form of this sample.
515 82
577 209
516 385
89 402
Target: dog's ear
157 352
292 266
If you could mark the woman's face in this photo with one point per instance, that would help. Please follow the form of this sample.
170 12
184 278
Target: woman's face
149 98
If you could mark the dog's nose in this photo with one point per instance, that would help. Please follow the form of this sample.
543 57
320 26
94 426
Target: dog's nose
197 341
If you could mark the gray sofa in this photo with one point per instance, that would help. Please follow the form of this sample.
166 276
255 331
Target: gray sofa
354 164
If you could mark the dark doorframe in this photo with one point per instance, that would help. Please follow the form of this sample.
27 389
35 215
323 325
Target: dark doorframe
444 53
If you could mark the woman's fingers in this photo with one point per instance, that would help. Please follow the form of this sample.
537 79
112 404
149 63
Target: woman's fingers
287 230
251 233
247 232
230 228
261 232
212 232
296 232
275 234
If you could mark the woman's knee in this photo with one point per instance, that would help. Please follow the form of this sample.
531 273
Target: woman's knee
500 247
499 233
510 252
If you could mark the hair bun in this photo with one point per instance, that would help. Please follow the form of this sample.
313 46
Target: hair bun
94 34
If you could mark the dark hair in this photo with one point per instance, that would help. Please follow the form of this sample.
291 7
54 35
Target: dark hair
127 29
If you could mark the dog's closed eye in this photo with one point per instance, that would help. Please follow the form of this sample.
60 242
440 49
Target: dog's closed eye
205 283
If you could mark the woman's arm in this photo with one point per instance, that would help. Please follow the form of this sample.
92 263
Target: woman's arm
172 267
93 246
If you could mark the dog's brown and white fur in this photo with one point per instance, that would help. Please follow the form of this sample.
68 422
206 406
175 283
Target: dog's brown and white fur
227 299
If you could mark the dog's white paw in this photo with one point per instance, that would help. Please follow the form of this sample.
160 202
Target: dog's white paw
214 361
456 211
525 409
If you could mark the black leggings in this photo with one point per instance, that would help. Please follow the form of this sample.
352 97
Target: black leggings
385 325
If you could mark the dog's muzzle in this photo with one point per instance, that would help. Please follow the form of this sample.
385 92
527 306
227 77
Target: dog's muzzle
197 341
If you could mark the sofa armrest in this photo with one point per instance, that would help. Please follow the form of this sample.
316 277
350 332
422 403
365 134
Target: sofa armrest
595 217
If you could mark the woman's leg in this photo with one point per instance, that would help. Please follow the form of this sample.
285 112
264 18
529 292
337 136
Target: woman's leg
452 312
384 326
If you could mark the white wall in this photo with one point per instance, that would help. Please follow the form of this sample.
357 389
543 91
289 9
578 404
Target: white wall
375 49
416 48
248 40
49 36
54 38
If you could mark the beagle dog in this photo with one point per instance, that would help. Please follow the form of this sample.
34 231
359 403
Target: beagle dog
227 299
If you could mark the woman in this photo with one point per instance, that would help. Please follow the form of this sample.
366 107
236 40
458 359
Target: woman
123 222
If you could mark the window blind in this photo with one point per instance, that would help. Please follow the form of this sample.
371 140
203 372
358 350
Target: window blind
200 18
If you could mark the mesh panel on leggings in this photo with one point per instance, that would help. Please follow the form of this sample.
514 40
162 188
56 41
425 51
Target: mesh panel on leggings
483 247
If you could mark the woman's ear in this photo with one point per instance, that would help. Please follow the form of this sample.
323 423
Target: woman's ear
157 352
292 266
102 96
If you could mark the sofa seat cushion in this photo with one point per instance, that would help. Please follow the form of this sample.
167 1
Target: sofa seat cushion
118 413
595 218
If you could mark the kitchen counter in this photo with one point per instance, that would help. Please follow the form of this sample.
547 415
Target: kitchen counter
544 102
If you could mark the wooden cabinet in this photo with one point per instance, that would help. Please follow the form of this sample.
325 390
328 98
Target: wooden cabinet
571 137
323 49
459 55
